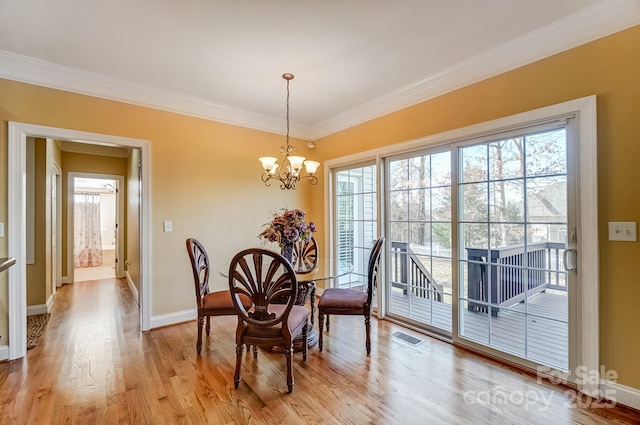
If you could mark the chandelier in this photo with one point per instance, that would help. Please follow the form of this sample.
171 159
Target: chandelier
289 174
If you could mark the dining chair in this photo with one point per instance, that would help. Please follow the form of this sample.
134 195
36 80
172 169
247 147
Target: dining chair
344 301
304 261
305 256
262 275
209 304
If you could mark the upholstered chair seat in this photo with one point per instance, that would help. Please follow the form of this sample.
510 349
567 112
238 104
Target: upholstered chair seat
348 301
342 299
295 322
222 303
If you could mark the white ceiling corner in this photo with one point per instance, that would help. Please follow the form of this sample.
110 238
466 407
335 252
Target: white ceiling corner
584 24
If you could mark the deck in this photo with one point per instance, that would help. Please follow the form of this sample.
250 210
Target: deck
540 334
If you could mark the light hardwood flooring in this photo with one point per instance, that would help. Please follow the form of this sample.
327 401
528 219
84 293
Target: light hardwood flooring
94 366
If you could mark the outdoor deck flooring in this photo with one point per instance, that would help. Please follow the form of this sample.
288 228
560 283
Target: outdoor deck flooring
540 334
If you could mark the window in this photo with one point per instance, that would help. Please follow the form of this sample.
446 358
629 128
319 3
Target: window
355 219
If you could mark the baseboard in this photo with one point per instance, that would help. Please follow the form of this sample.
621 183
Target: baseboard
33 310
621 394
132 288
173 318
65 279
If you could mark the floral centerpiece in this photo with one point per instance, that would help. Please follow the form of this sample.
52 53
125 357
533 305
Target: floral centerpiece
288 227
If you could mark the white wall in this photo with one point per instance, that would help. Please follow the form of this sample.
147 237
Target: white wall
108 220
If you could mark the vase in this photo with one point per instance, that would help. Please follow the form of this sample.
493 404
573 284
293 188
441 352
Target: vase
287 251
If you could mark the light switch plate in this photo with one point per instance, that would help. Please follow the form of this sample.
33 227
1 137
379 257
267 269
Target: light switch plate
1 230
623 231
168 226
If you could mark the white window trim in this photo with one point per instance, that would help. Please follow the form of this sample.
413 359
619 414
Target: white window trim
584 110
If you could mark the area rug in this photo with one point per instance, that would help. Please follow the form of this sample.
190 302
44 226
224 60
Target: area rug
35 326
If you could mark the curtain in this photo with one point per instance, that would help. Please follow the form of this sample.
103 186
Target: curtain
87 242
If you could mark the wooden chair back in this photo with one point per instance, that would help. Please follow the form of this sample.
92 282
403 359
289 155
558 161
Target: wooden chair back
263 276
305 256
372 270
200 268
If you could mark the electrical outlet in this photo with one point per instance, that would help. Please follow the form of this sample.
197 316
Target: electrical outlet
623 231
168 226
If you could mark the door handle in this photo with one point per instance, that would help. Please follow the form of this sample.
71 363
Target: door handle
570 263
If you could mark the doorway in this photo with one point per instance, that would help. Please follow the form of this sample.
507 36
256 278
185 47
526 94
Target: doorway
95 228
56 227
509 197
16 160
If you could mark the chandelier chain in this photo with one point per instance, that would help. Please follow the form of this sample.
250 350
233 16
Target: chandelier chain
288 81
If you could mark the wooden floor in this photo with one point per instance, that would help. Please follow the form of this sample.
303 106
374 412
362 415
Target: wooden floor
93 366
541 335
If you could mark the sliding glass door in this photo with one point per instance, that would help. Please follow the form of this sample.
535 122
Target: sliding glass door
512 235
419 228
483 234
509 202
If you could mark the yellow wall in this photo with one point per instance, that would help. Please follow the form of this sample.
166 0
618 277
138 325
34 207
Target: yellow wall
205 177
39 278
38 274
608 68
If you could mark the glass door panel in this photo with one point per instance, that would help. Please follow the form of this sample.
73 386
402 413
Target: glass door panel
512 233
419 229
355 218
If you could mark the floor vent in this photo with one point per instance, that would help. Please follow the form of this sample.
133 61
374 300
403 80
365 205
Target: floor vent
407 338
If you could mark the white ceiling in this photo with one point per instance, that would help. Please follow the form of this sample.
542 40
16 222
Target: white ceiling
353 60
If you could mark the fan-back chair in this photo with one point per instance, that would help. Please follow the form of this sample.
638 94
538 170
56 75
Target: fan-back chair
305 256
209 304
351 301
304 261
263 275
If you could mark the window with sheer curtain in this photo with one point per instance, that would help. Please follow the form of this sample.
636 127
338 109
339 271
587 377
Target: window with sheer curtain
87 241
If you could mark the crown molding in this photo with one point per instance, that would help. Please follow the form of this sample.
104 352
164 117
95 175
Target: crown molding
602 19
30 70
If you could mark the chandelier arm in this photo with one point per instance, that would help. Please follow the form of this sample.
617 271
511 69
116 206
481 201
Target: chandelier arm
312 179
265 179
